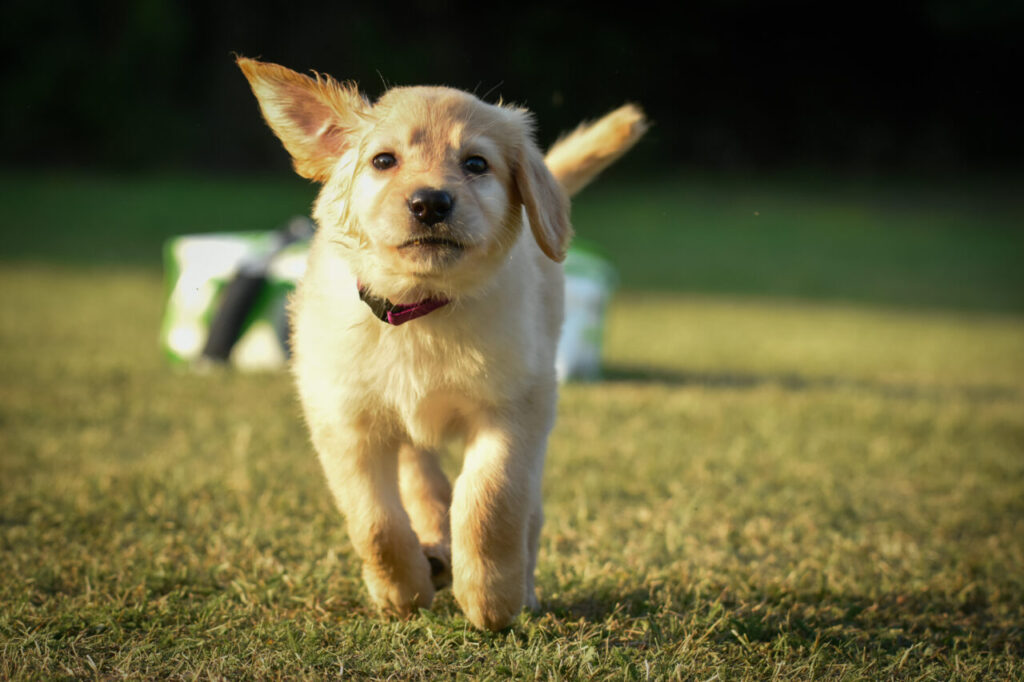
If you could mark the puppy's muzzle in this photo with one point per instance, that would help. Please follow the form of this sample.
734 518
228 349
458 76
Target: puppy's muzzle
430 206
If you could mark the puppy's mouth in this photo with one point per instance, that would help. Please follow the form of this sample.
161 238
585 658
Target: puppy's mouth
431 243
431 253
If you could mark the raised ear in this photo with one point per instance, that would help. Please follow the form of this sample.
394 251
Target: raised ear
312 117
546 203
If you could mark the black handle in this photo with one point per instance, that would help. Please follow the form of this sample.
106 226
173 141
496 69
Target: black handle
235 304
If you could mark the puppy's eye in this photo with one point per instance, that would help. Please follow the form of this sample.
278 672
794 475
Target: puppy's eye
384 161
475 165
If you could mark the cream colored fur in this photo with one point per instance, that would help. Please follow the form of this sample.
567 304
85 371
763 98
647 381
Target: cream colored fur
379 399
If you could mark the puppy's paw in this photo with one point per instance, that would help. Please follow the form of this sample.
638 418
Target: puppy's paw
400 591
532 603
489 608
490 614
440 559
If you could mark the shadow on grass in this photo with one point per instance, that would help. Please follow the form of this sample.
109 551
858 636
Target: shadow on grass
888 624
794 383
599 607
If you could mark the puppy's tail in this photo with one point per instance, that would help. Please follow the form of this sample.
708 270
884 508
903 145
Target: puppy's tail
577 158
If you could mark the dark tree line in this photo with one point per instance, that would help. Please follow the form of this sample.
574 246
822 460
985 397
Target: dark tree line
733 83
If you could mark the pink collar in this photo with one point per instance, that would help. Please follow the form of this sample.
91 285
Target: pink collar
394 314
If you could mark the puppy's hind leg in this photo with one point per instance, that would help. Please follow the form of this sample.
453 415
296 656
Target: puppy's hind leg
427 496
363 475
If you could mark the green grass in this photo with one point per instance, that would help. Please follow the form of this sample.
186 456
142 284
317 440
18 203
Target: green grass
765 485
898 243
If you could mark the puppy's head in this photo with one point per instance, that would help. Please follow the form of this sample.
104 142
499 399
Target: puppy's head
424 189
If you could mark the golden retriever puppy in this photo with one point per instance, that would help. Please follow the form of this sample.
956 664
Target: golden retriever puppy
431 307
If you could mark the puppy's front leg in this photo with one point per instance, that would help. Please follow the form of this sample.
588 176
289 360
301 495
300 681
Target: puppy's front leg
495 514
362 472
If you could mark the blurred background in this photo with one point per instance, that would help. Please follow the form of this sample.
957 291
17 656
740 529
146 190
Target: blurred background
920 85
862 152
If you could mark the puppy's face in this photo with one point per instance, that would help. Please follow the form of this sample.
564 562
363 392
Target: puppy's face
429 189
423 190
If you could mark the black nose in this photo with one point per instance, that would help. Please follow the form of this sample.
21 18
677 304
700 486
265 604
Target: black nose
430 206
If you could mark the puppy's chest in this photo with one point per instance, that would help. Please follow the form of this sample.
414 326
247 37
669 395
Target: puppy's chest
435 384
413 365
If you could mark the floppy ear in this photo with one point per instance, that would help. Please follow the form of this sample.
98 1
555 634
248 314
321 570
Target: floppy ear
546 203
312 117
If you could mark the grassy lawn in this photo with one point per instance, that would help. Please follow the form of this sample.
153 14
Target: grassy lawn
806 460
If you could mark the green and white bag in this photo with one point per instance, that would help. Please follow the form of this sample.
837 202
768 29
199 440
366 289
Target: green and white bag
204 270
590 280
199 269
